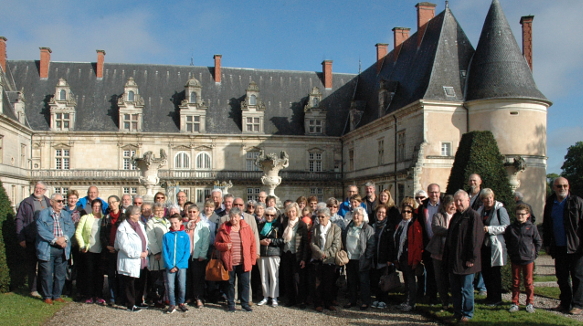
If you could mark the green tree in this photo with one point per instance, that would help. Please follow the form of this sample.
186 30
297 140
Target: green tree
573 168
7 238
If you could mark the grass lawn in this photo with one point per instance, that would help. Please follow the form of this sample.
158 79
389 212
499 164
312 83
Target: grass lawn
545 278
484 315
17 308
547 292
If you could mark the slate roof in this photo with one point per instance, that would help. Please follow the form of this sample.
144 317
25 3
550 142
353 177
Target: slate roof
498 69
162 88
7 107
420 72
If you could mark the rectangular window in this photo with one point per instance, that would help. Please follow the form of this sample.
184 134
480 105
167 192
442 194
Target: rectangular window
252 124
381 151
62 159
62 121
193 123
253 193
23 155
318 192
202 194
401 146
315 162
61 190
445 149
130 121
128 161
401 194
351 159
130 190
250 158
315 126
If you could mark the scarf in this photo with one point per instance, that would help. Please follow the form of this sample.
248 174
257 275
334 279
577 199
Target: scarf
138 229
323 232
402 233
266 228
287 233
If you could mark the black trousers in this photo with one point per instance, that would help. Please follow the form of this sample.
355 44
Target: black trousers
324 284
134 288
492 276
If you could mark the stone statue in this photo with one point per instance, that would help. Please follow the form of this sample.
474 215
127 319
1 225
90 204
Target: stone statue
224 186
171 191
149 166
271 164
514 166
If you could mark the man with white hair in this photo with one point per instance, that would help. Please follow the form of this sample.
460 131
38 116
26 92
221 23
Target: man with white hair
217 198
53 247
26 231
462 255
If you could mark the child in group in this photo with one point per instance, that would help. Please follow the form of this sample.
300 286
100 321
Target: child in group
523 243
176 252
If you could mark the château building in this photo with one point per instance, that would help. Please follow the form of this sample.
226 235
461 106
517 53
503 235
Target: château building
398 122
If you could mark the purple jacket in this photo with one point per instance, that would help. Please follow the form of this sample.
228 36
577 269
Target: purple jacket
25 225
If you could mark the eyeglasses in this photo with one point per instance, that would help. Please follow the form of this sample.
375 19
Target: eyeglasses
37 188
159 197
267 215
333 206
407 212
193 211
419 197
238 204
321 216
562 186
60 201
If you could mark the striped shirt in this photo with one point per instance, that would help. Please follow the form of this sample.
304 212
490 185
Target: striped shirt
237 248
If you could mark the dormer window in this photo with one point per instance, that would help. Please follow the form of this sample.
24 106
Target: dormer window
192 108
253 110
62 107
131 105
315 114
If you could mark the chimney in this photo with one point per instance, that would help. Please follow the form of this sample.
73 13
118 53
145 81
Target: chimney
526 22
400 35
327 71
45 60
381 53
425 11
217 58
100 59
3 53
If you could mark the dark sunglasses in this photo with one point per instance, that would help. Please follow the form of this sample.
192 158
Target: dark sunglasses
59 200
272 215
408 212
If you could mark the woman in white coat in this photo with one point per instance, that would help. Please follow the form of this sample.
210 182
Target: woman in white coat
495 218
131 243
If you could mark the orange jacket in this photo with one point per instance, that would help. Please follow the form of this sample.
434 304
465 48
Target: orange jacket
223 239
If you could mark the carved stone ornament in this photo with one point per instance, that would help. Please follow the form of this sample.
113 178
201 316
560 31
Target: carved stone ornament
271 164
149 166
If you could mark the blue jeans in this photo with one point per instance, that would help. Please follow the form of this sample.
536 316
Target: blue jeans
462 293
52 285
480 285
172 278
243 286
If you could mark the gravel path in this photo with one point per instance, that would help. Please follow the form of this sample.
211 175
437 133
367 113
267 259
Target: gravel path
88 315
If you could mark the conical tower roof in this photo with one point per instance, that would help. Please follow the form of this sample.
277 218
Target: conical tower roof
498 68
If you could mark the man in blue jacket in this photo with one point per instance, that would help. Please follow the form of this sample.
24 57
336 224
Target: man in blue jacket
53 247
92 193
176 252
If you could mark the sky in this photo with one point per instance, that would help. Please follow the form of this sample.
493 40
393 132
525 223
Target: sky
293 35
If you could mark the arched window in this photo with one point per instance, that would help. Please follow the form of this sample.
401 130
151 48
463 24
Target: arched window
193 97
203 161
182 161
62 95
130 96
252 100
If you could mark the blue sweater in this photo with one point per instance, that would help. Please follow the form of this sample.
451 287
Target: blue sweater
176 249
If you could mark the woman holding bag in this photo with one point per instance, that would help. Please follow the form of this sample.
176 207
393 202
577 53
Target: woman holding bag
236 242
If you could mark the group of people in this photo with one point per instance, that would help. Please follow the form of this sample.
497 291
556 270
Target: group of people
156 254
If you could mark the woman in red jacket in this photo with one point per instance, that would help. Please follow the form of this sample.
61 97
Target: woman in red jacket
236 242
408 247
